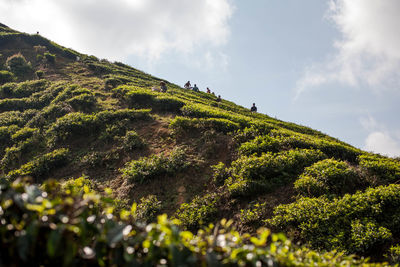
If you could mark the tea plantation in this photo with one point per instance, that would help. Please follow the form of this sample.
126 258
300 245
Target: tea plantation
98 169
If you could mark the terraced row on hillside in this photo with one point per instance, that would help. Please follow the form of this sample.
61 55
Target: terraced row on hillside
65 115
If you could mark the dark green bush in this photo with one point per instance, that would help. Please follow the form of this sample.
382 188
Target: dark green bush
146 169
385 170
182 124
148 209
251 175
39 74
283 139
24 89
24 134
253 214
72 225
83 102
41 166
200 211
363 223
132 141
18 65
21 151
51 58
220 173
6 76
79 124
328 176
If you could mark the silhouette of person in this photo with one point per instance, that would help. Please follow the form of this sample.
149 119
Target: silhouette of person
253 108
187 85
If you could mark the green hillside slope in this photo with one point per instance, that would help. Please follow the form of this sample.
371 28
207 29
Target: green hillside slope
110 141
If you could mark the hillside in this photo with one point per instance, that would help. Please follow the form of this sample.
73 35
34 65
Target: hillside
93 125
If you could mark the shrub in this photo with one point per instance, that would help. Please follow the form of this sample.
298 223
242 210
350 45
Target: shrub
146 169
168 103
284 139
328 176
51 58
19 152
132 141
148 209
83 102
220 173
72 225
253 214
385 169
251 175
357 223
24 134
41 166
18 64
367 236
6 76
78 124
200 211
182 124
39 74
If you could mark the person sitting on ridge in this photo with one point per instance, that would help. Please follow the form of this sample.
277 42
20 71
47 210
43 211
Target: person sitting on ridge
195 88
219 99
187 85
253 108
208 91
163 87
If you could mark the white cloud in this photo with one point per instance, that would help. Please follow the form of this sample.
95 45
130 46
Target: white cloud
383 143
380 139
117 28
368 52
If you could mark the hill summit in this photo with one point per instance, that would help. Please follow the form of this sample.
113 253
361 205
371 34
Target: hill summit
86 141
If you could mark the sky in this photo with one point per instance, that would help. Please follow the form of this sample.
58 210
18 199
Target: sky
332 65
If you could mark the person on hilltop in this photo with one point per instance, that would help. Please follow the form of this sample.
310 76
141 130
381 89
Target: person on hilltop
218 99
187 85
163 87
208 91
195 88
253 108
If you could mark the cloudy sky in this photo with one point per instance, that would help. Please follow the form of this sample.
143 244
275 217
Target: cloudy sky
333 65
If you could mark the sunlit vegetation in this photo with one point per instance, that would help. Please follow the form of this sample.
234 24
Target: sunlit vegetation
64 114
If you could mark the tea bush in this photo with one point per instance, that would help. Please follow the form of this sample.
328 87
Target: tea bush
51 58
24 134
182 124
328 176
6 77
220 173
18 65
19 152
203 111
284 140
148 209
41 166
132 141
385 169
254 214
200 211
141 98
361 223
77 124
146 169
38 228
17 118
251 175
83 102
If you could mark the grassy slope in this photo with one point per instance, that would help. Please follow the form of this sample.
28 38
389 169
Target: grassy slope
99 119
